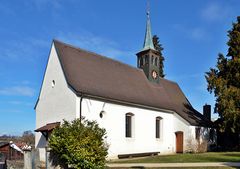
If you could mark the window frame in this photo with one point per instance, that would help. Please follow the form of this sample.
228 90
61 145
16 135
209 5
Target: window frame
140 62
146 59
129 127
158 127
197 133
152 59
156 61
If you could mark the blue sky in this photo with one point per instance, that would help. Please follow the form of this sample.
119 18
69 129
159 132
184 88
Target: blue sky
191 32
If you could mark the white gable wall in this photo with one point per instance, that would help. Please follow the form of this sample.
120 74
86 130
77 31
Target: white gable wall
55 103
144 139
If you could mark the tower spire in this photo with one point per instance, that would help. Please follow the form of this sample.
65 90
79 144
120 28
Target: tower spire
148 58
148 42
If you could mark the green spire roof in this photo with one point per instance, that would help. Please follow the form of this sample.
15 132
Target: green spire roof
148 42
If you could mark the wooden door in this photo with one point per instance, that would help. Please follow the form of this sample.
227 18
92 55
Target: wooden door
179 142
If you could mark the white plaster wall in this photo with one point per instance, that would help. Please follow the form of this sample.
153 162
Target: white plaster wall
55 103
144 139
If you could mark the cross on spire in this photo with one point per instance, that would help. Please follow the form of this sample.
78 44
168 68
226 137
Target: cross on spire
148 8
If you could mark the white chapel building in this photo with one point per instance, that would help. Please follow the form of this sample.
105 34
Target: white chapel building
141 112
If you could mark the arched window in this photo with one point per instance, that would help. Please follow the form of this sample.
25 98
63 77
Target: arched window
197 133
129 124
158 127
146 59
152 58
156 61
140 61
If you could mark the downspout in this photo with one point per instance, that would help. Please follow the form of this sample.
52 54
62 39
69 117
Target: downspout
46 151
80 109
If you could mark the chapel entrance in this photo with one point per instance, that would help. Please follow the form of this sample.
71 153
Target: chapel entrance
179 141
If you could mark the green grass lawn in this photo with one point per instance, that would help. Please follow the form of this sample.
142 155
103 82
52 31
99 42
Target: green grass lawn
187 158
184 168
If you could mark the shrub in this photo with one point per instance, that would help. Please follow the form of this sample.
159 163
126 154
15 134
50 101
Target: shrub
202 146
78 144
196 146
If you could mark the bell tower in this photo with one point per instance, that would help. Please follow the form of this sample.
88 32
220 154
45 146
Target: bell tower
148 57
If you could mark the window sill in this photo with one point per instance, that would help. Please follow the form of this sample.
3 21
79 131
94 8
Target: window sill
130 138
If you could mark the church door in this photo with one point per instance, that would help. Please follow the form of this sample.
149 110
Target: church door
179 142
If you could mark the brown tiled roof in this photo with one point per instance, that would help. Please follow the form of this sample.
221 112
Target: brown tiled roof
48 127
96 75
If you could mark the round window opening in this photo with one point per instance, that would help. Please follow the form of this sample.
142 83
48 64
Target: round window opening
101 114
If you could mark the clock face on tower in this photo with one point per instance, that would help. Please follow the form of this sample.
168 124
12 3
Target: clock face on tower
154 74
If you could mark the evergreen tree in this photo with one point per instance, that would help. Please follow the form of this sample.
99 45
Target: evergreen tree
159 48
224 81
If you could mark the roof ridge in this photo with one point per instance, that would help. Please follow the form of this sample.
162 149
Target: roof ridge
91 52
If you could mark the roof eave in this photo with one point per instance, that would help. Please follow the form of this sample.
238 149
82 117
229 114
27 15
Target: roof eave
111 100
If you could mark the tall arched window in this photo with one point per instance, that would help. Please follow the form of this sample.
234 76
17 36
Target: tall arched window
197 133
156 61
152 58
129 124
158 127
141 62
146 59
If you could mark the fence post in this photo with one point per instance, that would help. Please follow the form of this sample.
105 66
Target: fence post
28 159
48 163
